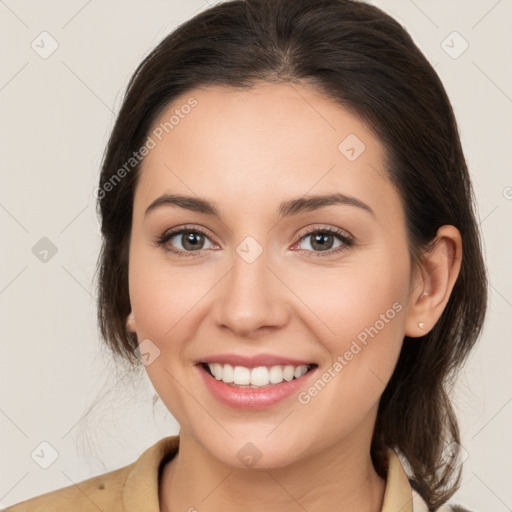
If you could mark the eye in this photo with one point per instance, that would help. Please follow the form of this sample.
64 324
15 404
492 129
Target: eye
190 239
322 241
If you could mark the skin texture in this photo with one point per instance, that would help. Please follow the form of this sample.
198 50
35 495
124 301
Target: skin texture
247 151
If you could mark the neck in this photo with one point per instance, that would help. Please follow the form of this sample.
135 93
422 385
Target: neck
341 478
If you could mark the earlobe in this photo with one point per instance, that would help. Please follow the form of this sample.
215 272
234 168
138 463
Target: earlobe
130 322
434 282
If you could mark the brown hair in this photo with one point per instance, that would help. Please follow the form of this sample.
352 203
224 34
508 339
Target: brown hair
365 61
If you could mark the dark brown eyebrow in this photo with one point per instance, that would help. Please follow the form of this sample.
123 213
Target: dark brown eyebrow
286 209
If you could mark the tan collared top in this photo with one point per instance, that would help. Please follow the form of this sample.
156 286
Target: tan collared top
134 488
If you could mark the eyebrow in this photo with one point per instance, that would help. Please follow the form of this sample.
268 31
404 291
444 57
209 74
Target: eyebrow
286 209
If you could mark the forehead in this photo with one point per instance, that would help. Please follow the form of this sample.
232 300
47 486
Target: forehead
267 141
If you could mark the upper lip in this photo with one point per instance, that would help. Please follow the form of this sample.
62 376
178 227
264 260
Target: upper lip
254 361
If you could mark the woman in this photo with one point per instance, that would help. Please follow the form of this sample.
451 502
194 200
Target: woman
290 249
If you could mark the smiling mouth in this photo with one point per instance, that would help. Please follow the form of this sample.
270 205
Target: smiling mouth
257 377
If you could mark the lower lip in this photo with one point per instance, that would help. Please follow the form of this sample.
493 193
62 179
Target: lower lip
253 398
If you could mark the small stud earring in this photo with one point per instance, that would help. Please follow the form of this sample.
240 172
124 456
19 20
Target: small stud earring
421 325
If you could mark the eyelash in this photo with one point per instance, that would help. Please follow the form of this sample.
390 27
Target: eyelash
347 241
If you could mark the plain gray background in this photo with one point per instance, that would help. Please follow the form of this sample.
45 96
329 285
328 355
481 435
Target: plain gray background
57 111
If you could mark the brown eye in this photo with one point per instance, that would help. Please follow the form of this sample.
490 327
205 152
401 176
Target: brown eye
324 240
321 241
184 241
190 240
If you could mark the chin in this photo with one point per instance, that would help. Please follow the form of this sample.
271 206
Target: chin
254 451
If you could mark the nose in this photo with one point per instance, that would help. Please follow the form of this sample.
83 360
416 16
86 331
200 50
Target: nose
252 298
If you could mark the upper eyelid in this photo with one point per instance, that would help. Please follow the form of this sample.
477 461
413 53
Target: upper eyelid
331 230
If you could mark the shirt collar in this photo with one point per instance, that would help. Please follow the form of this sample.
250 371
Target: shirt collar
398 493
140 490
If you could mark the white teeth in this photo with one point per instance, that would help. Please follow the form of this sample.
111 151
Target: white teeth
288 372
241 375
275 375
256 377
259 376
216 369
298 372
228 373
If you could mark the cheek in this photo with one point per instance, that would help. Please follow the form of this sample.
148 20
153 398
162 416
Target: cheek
357 295
162 295
162 300
361 329
361 309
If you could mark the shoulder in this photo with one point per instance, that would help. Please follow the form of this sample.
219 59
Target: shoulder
102 492
136 484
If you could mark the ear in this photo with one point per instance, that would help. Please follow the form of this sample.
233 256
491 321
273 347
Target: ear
433 282
130 322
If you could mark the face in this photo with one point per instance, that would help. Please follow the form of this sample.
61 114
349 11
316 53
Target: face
260 274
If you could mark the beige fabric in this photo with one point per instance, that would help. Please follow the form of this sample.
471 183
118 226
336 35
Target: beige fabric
134 488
